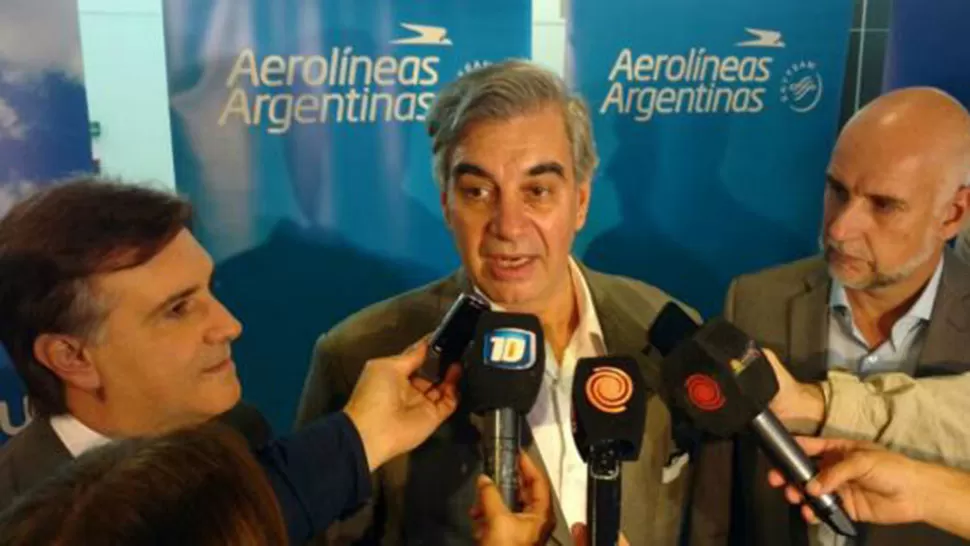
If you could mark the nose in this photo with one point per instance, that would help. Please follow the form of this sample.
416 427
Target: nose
848 220
509 219
225 327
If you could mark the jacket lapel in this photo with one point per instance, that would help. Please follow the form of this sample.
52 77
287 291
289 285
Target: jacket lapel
807 327
947 342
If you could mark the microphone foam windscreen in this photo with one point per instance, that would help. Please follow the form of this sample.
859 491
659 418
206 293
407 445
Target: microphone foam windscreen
706 390
726 343
609 405
505 362
671 326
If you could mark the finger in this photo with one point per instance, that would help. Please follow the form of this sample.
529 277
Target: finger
809 515
781 372
489 498
623 540
412 358
854 466
775 479
421 384
793 495
449 385
579 535
537 485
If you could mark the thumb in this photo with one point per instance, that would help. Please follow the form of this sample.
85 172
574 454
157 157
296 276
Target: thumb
411 359
579 535
490 498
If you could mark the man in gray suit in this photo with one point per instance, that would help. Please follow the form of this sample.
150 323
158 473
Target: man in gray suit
886 295
514 160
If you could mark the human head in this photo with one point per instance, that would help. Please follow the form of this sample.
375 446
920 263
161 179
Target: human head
896 188
107 309
198 486
513 158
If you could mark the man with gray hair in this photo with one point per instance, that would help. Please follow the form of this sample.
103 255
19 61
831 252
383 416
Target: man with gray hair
886 295
514 161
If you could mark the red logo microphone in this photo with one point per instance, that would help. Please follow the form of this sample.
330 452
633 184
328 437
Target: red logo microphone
608 389
704 393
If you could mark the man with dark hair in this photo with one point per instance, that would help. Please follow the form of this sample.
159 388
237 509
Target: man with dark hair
108 317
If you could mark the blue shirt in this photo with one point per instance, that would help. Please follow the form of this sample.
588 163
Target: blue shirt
848 349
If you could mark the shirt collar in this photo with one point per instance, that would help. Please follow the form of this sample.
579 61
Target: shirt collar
589 323
921 309
75 435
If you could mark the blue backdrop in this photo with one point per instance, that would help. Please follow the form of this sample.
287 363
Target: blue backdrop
714 122
43 127
928 46
298 134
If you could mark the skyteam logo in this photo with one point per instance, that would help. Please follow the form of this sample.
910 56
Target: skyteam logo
801 88
730 78
510 349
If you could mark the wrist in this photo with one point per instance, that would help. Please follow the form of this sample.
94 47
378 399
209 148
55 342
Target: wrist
374 449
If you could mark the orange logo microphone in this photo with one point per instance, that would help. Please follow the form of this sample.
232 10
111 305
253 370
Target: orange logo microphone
608 389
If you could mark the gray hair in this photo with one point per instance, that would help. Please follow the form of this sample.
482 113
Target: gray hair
499 92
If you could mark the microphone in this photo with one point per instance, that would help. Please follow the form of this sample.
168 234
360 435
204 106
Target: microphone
502 376
453 335
609 412
720 378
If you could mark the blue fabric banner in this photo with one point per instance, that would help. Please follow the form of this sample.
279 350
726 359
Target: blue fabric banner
928 46
714 122
298 134
44 131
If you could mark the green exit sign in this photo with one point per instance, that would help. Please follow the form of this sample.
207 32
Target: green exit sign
95 128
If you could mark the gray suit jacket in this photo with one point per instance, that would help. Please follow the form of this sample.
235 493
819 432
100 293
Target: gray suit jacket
424 497
786 310
28 458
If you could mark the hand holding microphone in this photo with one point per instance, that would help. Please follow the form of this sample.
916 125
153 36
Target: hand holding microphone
503 373
722 381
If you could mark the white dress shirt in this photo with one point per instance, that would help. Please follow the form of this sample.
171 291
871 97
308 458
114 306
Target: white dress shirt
551 417
75 435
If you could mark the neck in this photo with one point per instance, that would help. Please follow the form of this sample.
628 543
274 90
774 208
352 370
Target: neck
558 314
91 409
875 311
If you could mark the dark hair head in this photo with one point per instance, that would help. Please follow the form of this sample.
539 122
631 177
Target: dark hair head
52 243
198 486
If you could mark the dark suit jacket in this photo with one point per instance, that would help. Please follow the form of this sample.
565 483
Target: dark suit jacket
424 497
786 310
36 452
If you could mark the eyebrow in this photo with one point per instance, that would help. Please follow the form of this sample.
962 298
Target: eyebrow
464 168
890 199
553 167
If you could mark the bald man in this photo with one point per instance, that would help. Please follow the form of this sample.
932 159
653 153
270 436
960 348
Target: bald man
885 295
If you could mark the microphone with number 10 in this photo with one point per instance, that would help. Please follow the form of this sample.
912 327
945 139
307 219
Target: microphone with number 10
609 412
719 377
502 376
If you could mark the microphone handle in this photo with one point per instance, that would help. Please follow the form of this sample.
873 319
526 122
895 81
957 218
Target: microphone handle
798 469
500 446
603 488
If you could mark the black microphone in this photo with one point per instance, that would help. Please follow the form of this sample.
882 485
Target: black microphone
502 376
454 333
720 378
609 412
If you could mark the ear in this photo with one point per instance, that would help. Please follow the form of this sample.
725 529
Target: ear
584 190
66 357
956 214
